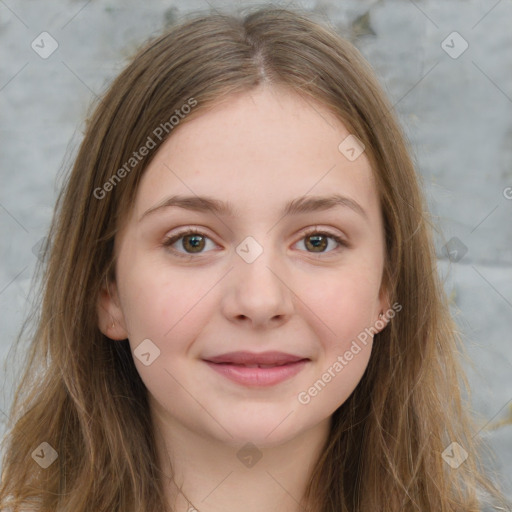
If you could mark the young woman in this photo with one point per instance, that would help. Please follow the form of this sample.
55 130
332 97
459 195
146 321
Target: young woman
241 309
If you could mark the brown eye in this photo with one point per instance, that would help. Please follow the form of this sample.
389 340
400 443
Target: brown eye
318 242
195 243
192 242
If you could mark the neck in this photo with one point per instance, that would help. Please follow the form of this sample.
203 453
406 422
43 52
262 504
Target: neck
208 475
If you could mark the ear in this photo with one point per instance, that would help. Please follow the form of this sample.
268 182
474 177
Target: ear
382 317
110 315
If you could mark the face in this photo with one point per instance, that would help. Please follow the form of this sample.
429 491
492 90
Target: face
272 271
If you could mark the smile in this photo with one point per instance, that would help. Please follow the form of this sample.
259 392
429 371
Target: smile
258 375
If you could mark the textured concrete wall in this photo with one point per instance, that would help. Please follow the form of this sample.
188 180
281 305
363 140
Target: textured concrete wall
447 66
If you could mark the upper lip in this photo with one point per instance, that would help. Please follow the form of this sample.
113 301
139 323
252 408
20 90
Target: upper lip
241 358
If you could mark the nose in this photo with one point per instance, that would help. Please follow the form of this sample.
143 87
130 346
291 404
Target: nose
258 294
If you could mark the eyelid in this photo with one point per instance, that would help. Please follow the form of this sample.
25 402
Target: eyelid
341 240
172 239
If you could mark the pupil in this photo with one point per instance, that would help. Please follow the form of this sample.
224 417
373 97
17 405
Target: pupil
196 243
319 241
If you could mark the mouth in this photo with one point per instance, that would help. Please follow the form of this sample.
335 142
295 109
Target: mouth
257 370
269 358
255 365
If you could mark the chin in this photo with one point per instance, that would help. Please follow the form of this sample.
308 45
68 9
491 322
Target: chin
268 432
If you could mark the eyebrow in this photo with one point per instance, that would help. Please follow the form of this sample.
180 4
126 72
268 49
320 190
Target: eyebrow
306 204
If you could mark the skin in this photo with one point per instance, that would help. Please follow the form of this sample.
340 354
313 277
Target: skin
256 151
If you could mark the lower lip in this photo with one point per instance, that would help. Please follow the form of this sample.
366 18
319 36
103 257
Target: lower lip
260 377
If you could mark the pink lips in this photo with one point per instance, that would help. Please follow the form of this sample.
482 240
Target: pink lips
253 369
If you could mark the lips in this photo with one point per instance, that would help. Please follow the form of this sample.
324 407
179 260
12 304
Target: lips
257 370
256 360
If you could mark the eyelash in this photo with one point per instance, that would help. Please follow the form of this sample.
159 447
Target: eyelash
174 238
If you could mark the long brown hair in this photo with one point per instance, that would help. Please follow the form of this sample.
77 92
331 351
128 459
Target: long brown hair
81 393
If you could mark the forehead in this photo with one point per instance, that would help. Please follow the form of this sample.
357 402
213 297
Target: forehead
258 150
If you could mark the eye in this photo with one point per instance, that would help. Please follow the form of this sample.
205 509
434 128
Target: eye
192 241
318 241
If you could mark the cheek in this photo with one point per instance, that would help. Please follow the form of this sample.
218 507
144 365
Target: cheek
345 301
164 306
339 377
346 305
165 309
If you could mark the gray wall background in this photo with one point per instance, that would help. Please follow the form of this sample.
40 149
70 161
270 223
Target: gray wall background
455 103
